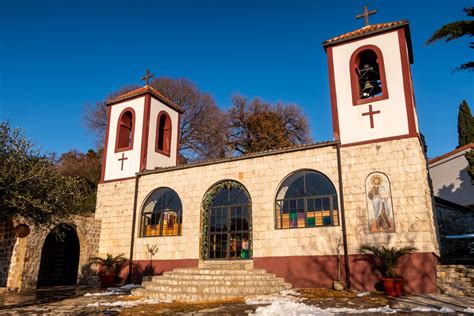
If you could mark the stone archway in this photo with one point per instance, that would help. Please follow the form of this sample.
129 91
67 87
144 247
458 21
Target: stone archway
59 257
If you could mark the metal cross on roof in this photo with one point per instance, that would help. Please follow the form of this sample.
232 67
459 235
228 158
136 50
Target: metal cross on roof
147 76
366 14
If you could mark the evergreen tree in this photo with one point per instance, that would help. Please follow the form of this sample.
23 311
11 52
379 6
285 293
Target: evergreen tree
465 125
31 188
466 134
456 30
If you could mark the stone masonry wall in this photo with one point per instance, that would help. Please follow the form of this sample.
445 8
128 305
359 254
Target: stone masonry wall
7 243
23 273
401 160
405 165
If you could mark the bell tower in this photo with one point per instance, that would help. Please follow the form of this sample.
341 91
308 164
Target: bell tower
142 133
370 83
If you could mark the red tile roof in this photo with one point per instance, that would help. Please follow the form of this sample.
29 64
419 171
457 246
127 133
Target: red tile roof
144 90
369 29
446 155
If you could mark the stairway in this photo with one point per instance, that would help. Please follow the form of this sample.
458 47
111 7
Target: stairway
211 281
456 280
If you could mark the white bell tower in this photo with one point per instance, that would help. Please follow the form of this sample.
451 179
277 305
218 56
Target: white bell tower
142 133
370 83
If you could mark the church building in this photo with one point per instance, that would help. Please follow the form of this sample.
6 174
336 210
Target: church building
289 211
292 212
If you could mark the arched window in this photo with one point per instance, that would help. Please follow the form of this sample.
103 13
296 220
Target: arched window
163 137
125 130
306 198
162 214
368 75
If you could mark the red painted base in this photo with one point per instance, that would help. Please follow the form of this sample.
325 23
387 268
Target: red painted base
417 269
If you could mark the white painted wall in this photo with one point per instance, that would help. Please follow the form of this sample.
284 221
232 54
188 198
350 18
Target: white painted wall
392 121
132 164
155 159
451 180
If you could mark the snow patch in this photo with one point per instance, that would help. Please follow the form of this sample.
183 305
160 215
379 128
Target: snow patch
362 294
296 308
469 310
123 303
284 296
115 290
433 309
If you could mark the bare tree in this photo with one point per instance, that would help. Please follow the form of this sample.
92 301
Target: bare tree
257 126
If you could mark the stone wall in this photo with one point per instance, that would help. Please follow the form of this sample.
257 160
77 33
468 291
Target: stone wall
405 165
23 273
456 232
7 243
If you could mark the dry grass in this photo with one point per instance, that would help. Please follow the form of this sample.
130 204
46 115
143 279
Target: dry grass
178 307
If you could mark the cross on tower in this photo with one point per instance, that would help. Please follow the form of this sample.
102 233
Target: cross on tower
366 14
147 76
371 115
121 160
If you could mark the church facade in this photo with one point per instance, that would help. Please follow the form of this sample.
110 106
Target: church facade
290 211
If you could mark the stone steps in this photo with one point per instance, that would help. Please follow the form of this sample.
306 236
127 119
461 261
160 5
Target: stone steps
214 277
191 282
184 297
207 283
210 271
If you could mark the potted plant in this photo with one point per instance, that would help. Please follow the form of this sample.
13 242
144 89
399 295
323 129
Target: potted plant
109 267
386 262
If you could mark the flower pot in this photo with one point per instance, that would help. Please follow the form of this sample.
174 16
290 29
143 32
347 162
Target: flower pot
107 280
393 286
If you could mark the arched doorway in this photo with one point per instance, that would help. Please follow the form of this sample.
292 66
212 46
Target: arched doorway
59 257
227 224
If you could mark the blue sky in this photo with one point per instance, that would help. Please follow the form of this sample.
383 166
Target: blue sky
57 56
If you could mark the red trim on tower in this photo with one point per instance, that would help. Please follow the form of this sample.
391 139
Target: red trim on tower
378 140
116 180
353 64
117 136
145 132
178 138
167 134
407 86
106 143
332 90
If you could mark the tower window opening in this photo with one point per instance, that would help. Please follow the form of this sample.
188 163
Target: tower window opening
163 140
125 131
368 72
368 79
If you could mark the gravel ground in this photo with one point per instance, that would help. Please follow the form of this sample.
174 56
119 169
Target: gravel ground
86 301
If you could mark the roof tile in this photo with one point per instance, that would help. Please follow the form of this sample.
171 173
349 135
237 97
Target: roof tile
368 29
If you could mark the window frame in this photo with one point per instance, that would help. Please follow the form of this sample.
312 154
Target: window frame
117 135
167 134
332 198
143 216
353 65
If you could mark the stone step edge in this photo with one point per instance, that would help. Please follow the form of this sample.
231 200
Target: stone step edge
210 286
189 297
214 282
145 292
170 274
214 271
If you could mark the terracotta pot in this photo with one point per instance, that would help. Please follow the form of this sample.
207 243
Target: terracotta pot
393 286
107 280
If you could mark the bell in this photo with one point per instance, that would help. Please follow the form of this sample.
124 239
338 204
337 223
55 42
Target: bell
370 90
